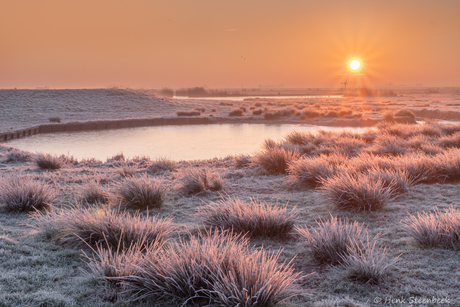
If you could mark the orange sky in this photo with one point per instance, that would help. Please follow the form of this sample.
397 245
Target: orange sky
220 43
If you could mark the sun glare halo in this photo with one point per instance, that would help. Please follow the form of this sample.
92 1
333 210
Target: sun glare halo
355 64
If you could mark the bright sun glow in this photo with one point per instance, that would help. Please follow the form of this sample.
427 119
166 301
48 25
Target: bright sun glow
355 64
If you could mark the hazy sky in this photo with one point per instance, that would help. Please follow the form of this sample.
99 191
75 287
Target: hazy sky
223 43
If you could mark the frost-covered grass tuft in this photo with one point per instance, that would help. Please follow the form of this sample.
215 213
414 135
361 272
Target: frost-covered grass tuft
79 227
140 193
254 218
435 229
23 194
217 269
333 239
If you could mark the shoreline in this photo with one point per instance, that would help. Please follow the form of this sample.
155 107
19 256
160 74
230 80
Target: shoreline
174 121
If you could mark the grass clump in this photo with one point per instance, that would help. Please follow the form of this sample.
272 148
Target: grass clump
23 194
332 240
398 180
195 181
93 193
435 229
54 119
140 193
367 264
311 172
48 161
127 169
356 192
236 112
254 218
275 160
242 160
79 227
17 155
109 262
161 165
216 269
188 113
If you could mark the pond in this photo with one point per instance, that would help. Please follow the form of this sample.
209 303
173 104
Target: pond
188 142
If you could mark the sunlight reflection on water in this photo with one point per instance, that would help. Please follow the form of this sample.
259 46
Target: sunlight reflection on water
191 142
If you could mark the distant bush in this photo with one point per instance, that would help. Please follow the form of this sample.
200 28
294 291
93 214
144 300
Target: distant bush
332 240
196 180
192 92
272 115
258 104
332 114
405 112
140 193
236 112
404 117
254 218
23 194
167 92
275 160
188 113
436 229
226 104
48 161
17 155
356 192
214 269
54 119
79 227
201 110
257 112
310 114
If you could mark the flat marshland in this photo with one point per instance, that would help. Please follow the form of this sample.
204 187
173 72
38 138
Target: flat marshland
326 219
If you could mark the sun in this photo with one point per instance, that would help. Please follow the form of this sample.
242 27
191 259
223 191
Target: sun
355 64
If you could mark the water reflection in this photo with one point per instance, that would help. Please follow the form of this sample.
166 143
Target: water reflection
191 142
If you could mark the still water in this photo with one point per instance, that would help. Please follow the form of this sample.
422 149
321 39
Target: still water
242 98
190 142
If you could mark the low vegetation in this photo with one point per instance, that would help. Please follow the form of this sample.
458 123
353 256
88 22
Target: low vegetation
94 193
332 240
82 227
368 263
357 192
255 219
17 155
200 180
161 165
435 229
275 160
218 269
141 193
188 113
48 161
351 204
24 194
